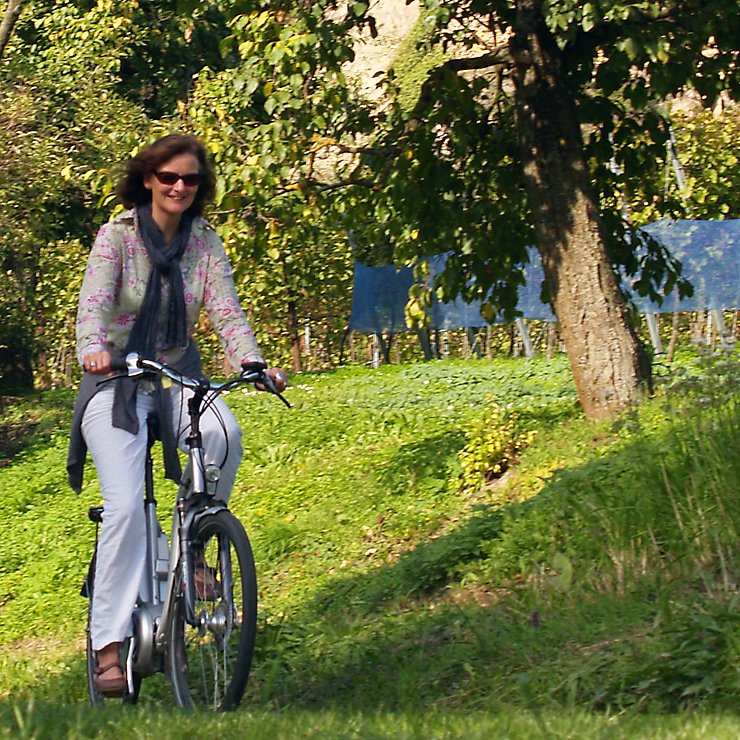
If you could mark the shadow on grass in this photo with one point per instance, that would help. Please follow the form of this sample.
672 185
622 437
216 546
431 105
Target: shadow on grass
416 573
624 598
27 421
426 464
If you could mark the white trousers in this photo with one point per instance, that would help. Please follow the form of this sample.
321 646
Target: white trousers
119 460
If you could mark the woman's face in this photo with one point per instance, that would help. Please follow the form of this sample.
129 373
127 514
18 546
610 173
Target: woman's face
170 201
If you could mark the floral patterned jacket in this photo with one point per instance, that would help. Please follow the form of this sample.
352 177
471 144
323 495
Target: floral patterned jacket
115 282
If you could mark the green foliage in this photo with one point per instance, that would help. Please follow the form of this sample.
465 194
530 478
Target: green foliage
47 721
493 443
706 148
142 52
41 573
699 659
659 500
61 268
38 207
415 57
276 122
77 83
31 419
59 124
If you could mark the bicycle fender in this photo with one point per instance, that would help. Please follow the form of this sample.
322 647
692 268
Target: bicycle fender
197 513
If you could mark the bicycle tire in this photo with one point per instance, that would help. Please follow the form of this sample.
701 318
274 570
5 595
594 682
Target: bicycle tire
208 666
91 659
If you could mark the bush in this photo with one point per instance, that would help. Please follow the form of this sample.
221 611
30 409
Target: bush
493 444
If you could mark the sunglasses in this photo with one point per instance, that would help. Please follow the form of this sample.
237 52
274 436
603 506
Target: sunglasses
170 178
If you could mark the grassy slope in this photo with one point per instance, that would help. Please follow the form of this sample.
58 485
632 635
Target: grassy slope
386 589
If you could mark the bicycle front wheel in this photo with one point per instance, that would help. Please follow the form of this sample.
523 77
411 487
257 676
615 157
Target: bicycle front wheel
209 662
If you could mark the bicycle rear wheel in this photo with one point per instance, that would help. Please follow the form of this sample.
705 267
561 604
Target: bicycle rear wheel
209 663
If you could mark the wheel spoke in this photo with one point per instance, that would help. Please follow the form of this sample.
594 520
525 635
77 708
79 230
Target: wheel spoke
209 661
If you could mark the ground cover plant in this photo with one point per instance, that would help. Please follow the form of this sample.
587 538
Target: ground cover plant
587 586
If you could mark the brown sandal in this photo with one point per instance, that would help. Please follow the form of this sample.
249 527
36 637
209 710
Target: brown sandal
207 588
111 687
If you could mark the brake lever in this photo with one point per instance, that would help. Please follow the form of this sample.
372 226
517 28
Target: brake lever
283 399
109 378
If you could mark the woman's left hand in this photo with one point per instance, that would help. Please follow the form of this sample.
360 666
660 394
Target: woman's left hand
97 363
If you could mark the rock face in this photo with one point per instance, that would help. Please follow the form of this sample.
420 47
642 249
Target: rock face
394 20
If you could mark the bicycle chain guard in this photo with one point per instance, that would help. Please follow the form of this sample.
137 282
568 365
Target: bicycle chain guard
146 658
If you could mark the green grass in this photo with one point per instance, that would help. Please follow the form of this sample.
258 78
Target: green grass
590 590
44 721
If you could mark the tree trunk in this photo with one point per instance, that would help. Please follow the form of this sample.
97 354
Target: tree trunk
674 336
12 11
607 360
295 340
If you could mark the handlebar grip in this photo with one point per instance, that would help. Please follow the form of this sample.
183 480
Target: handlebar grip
118 364
253 367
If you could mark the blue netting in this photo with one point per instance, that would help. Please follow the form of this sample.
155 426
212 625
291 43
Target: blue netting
710 254
708 250
529 302
379 297
456 314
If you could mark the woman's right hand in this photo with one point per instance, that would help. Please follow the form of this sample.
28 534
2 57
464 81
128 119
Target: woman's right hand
97 363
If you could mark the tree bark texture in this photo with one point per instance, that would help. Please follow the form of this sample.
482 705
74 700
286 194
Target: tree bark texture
12 11
606 357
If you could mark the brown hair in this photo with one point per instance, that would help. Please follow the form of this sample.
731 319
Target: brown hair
131 189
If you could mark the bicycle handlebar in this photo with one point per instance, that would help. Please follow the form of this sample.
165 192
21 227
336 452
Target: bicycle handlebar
133 366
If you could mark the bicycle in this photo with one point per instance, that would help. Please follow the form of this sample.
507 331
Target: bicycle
200 632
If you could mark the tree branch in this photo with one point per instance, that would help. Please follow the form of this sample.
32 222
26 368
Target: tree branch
497 57
9 18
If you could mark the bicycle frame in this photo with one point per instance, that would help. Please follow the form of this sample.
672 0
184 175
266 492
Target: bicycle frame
194 501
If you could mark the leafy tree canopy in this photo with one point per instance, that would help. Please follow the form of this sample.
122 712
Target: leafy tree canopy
76 83
440 165
620 62
538 128
446 172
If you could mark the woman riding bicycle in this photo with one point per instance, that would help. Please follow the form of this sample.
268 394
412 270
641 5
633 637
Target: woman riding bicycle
149 273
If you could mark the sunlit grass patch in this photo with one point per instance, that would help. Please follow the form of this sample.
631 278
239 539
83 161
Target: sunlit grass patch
597 574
